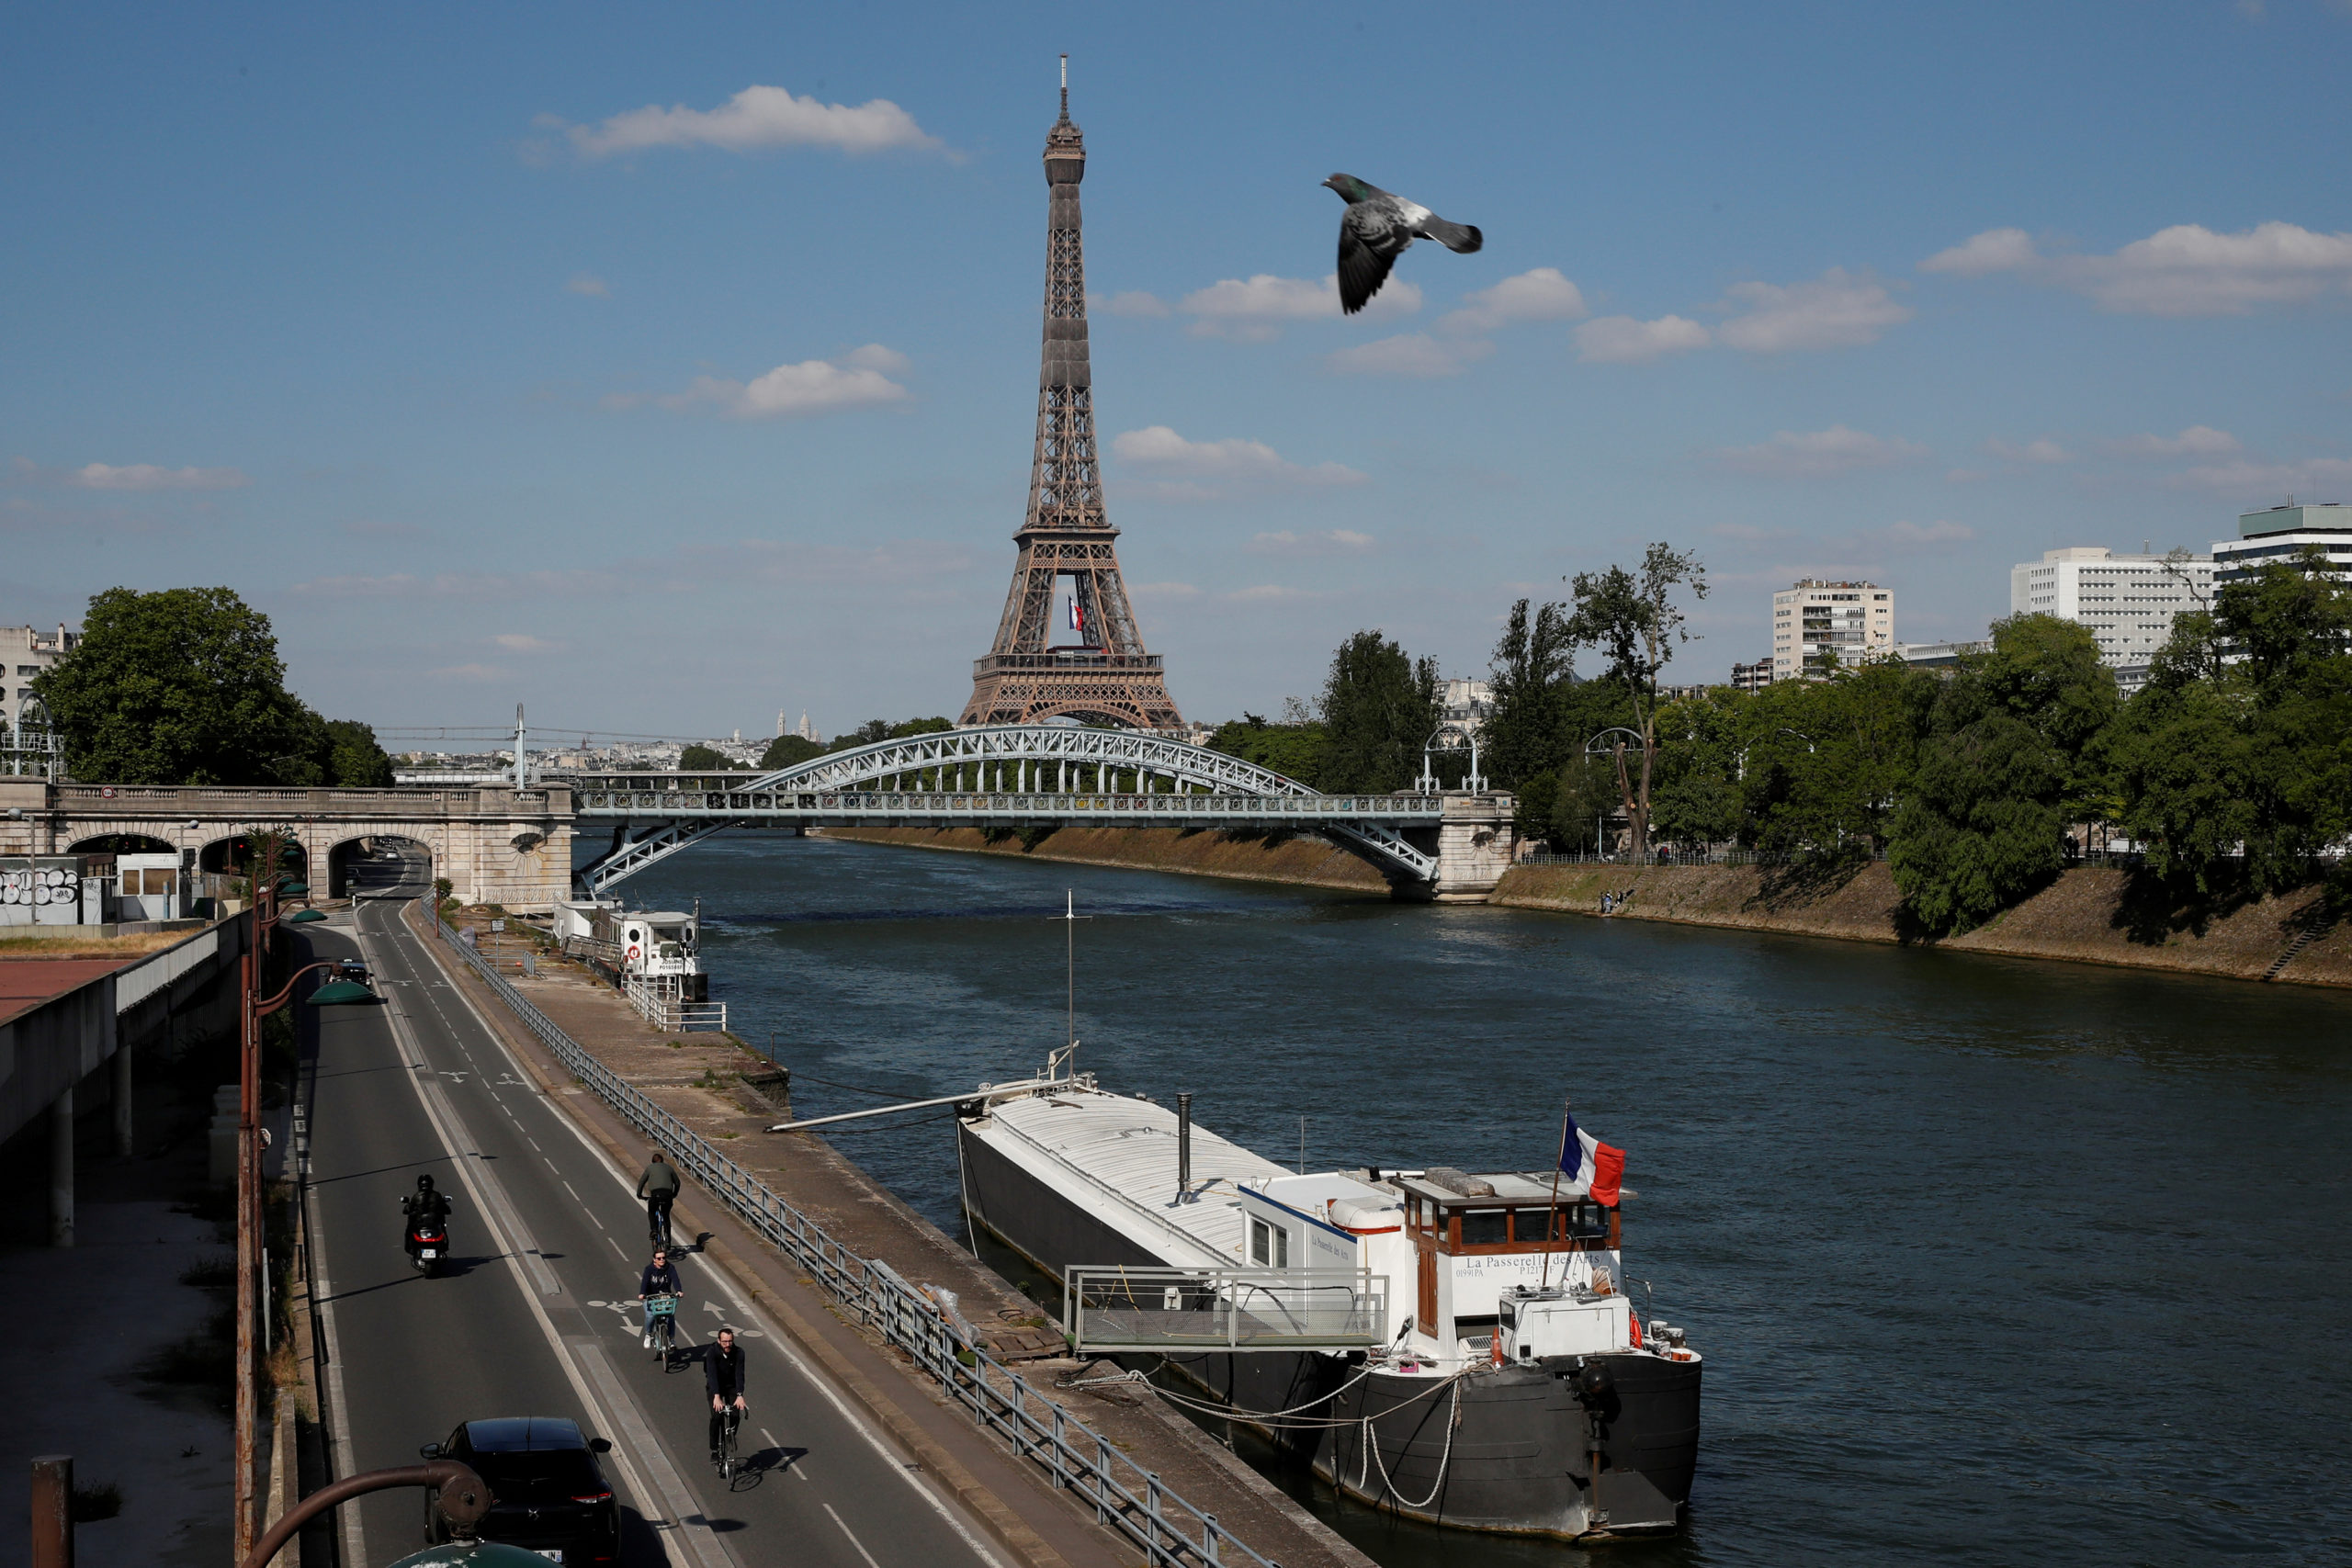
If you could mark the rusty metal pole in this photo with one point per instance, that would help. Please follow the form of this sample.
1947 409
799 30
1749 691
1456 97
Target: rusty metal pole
248 1409
53 1511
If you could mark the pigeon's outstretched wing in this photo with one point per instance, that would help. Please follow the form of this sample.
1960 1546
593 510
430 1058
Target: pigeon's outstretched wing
1372 235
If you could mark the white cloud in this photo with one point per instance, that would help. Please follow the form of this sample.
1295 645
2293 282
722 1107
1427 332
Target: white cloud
1542 295
1622 340
2330 478
1940 534
468 672
1411 353
2041 451
1837 309
1215 469
793 391
1995 250
522 642
1256 309
588 283
754 119
876 356
2185 270
1133 302
2197 441
1817 453
148 475
1322 542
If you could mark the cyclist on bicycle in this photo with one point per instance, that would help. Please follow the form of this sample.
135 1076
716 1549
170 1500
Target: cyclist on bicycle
660 1279
722 1375
659 1188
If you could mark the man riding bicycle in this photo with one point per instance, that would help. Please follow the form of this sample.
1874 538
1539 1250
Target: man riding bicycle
722 1375
659 1188
659 1278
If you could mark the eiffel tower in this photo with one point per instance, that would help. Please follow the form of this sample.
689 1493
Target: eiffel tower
1105 678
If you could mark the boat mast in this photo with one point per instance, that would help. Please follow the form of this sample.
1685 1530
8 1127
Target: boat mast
1552 1220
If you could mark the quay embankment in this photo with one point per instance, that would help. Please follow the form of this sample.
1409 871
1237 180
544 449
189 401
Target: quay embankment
1302 859
727 1093
2088 915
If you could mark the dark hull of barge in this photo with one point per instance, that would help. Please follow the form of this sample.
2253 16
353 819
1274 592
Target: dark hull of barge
1506 1450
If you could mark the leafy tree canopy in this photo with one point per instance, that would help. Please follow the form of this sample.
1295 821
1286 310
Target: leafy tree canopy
787 751
701 759
184 686
1379 708
1293 751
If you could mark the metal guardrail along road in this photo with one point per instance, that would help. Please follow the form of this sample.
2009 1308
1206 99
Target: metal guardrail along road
1172 1532
1113 1308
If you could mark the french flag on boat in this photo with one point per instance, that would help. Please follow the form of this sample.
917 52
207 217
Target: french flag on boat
1586 1158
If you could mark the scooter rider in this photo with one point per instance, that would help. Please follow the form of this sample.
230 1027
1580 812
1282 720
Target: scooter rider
660 1278
427 1202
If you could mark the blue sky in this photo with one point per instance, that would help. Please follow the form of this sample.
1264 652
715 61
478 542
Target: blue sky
663 367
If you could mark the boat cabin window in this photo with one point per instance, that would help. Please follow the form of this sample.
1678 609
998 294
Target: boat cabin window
1485 1227
1268 1245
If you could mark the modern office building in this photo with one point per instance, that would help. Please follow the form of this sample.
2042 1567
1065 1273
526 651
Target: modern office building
2281 531
2126 601
1943 656
1752 677
1817 625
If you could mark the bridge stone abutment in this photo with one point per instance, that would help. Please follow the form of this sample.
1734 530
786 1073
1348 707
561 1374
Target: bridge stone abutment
1472 845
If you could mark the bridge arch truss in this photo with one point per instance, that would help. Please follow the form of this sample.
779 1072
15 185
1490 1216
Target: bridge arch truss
1003 776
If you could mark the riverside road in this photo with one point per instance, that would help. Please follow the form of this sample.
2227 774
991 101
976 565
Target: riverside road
537 1313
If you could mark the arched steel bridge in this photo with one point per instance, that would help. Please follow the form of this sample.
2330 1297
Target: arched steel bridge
1007 776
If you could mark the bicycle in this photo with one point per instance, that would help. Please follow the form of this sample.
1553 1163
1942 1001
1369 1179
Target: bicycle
726 1463
661 1323
657 1218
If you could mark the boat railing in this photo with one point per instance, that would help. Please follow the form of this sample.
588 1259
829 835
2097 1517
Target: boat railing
1116 1307
1170 1531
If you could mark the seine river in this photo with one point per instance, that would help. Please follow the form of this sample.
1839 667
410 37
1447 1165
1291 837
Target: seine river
1992 1261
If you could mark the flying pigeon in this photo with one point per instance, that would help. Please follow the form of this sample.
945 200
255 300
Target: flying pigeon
1374 230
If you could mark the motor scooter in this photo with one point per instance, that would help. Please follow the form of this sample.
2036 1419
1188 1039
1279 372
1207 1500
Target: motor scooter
428 1243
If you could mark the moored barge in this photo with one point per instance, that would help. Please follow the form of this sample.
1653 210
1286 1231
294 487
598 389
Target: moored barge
1505 1381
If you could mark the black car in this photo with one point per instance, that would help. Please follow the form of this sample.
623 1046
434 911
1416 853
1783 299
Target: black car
547 1493
352 969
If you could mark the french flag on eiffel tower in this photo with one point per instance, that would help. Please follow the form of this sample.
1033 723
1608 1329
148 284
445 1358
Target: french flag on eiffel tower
1586 1158
1077 615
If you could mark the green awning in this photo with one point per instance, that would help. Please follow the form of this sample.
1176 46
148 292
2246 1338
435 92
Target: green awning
293 889
340 993
304 917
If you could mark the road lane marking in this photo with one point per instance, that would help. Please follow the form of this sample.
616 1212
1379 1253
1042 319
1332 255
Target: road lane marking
865 1425
355 1542
614 1407
852 1538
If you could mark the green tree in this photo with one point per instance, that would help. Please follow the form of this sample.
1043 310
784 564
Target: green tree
1697 798
701 759
1826 761
788 750
2241 742
1526 739
1631 616
180 686
1379 708
1293 751
919 726
2009 763
354 760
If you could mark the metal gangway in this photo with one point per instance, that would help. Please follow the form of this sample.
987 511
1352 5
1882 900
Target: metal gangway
1110 1308
661 999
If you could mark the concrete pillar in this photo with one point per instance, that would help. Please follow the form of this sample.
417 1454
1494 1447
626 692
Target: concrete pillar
61 1171
53 1511
123 1123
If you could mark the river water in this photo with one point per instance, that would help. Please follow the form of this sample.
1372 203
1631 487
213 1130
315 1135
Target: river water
1992 1260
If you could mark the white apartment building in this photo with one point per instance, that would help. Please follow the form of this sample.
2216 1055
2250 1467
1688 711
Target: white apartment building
2127 602
2279 532
1466 702
25 652
1818 626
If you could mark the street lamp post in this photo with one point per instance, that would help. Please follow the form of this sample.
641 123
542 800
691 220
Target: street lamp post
251 1010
